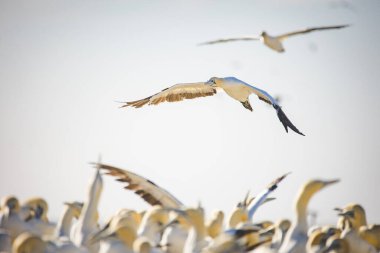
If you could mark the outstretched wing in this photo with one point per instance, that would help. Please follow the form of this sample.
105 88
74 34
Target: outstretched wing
308 30
228 40
146 189
175 93
264 96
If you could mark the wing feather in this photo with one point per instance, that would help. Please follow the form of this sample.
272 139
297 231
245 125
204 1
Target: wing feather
175 93
264 96
308 30
228 40
146 189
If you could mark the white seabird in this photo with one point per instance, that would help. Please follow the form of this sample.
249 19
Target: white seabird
234 87
274 42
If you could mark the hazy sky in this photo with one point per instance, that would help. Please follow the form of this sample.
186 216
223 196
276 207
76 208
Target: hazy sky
63 64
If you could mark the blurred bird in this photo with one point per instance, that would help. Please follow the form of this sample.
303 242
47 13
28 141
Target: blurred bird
296 238
337 245
10 219
119 234
215 224
353 217
175 233
30 206
72 210
152 223
275 42
87 222
234 87
280 228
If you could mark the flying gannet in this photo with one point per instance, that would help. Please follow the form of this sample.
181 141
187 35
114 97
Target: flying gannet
274 42
234 87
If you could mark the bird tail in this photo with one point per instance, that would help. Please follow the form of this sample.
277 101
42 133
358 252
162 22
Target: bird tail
285 121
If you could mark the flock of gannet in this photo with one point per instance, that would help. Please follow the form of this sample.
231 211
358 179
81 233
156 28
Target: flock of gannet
169 226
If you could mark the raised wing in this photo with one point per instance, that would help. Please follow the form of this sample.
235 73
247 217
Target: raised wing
175 93
308 30
264 96
256 203
228 40
146 189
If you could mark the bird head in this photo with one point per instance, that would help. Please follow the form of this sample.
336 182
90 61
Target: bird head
214 82
11 203
76 208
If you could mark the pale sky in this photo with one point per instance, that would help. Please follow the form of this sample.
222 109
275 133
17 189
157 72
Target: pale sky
63 64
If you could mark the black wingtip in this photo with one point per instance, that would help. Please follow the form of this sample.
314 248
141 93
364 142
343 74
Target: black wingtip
285 121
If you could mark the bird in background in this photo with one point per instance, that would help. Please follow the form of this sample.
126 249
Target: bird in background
274 42
234 87
296 238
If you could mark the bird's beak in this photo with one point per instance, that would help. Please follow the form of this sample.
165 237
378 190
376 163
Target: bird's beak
347 214
330 182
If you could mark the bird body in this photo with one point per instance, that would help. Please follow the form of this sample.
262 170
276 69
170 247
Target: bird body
272 42
87 222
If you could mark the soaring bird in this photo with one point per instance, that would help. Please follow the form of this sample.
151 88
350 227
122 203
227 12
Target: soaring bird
274 42
234 87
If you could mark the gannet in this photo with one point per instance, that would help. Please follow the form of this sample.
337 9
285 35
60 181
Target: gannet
72 210
231 241
275 42
31 243
296 238
38 219
152 223
32 206
196 238
146 189
215 224
10 219
358 234
234 87
87 222
353 215
175 233
119 234
337 245
280 229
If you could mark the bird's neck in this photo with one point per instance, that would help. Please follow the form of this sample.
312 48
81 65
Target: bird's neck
301 210
64 224
89 214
